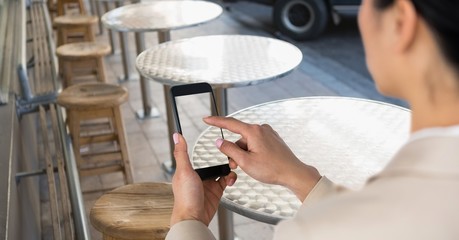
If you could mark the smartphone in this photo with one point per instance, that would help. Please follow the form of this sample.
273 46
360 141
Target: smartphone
191 103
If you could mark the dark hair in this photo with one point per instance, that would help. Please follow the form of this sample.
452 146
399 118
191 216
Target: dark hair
442 16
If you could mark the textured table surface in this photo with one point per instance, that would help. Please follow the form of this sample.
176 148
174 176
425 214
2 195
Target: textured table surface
222 60
347 139
160 15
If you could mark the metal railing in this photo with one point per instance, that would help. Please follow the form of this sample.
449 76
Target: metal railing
13 69
31 97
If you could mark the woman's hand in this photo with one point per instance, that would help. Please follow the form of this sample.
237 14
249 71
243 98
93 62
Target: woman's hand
194 199
263 155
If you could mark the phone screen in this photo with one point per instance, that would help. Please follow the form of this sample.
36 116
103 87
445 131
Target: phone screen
191 109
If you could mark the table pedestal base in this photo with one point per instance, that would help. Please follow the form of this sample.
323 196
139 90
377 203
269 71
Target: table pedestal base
152 113
169 167
125 78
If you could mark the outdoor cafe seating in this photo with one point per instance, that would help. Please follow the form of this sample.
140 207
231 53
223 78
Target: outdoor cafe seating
79 163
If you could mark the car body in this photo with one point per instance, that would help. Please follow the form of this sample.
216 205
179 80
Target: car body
307 19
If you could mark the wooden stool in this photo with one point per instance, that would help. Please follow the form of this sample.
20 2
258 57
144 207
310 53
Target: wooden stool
136 211
82 59
99 147
71 7
74 28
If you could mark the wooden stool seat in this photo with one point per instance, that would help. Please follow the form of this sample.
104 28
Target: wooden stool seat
136 211
92 96
75 20
82 59
83 50
97 129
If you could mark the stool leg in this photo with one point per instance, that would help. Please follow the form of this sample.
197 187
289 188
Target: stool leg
74 123
61 36
89 35
60 69
81 6
99 14
60 8
68 73
123 145
101 70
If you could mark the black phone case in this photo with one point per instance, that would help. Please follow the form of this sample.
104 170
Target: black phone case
212 172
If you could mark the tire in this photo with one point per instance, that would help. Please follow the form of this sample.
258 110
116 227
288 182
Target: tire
301 19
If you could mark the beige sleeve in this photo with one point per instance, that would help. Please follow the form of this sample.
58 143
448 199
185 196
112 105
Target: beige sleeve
190 229
196 230
294 228
321 190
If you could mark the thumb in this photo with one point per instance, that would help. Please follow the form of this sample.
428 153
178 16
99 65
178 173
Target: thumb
181 152
232 150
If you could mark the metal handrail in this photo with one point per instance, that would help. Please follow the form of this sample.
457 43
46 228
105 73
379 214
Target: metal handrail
22 63
29 101
76 196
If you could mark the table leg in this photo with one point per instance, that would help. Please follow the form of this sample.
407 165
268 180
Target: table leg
99 14
169 165
111 36
164 36
225 224
225 217
220 99
148 111
125 57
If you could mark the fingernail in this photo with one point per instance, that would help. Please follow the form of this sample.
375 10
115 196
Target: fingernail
231 182
175 137
219 142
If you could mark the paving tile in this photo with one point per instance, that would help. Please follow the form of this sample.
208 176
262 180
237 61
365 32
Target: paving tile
140 152
151 173
254 231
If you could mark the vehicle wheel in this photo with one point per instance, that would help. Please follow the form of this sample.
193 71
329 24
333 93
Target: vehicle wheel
301 19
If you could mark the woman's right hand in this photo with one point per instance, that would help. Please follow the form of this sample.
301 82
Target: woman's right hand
263 155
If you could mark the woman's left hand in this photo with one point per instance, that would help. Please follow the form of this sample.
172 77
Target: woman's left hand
194 199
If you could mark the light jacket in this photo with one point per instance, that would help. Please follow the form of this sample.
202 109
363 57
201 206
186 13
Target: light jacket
416 197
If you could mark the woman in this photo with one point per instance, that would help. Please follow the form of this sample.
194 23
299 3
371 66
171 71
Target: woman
412 53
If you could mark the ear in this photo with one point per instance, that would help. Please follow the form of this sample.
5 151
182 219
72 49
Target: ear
406 20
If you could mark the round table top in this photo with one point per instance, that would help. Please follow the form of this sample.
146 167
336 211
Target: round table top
221 60
135 211
346 139
92 96
160 15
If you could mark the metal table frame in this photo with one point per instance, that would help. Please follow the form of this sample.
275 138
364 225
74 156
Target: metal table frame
163 36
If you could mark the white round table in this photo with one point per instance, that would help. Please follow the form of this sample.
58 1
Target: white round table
346 139
223 61
161 17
